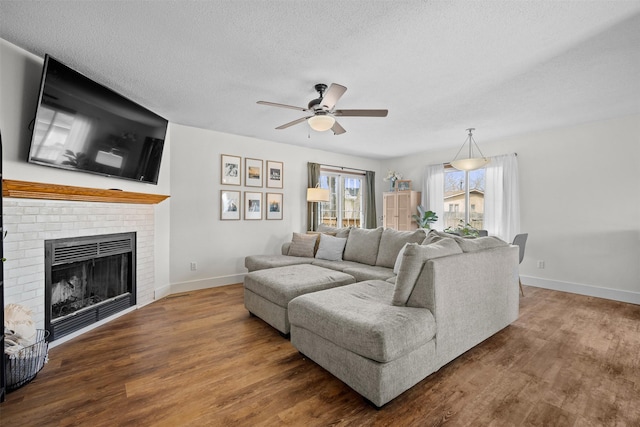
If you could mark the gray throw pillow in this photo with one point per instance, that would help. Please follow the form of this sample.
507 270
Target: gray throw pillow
331 248
362 245
412 264
396 266
302 245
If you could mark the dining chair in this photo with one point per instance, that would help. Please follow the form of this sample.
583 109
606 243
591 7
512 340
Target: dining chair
521 241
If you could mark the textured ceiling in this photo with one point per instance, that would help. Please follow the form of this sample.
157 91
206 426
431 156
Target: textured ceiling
503 67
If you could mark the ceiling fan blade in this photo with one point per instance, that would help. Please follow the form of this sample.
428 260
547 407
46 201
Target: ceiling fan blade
332 95
295 122
273 104
337 129
361 113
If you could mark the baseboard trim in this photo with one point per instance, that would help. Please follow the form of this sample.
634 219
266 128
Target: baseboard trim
580 289
162 292
211 282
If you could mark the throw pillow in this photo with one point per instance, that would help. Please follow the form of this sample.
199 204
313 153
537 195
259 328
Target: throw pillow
396 266
318 233
362 245
331 248
302 245
392 241
413 261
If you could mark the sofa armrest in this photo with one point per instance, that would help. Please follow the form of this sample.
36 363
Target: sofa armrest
285 248
472 296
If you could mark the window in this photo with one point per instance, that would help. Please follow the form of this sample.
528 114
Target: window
345 208
464 196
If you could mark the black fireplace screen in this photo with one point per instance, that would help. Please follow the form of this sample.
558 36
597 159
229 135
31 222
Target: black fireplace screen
88 279
82 284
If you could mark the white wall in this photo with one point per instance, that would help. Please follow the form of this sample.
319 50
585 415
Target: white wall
219 247
580 202
20 74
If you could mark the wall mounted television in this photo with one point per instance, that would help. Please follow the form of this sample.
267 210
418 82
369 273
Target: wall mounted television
81 125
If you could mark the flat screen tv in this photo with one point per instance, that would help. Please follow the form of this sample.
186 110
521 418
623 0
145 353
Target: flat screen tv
81 125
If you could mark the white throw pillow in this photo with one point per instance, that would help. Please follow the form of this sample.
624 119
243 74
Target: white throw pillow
331 248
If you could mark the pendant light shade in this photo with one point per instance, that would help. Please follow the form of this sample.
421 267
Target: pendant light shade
321 122
470 163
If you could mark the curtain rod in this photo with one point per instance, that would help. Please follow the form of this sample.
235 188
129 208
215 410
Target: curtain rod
342 168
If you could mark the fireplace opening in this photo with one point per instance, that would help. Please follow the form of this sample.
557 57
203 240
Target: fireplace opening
87 279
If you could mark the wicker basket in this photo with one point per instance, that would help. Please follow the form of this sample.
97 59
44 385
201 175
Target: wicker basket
25 365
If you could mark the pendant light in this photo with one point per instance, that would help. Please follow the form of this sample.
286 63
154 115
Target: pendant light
470 163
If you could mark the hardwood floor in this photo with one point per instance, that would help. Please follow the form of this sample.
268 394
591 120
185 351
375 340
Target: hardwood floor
199 359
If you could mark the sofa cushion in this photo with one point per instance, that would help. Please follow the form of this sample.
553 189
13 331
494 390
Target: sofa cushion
281 285
479 243
361 319
362 245
335 265
392 241
412 263
261 262
303 245
338 232
369 272
331 248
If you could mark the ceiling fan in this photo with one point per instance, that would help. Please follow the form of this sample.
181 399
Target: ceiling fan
324 112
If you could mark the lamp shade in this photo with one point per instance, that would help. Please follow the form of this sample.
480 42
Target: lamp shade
321 122
318 195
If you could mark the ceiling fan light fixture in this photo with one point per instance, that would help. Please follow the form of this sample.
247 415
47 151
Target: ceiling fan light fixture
470 163
321 122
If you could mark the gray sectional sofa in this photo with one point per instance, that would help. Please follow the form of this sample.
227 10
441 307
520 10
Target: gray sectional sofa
402 306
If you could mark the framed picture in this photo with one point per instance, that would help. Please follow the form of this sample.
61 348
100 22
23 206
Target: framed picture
274 206
229 205
253 172
252 205
274 174
230 170
403 185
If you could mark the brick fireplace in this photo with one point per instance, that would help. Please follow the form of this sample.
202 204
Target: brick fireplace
31 222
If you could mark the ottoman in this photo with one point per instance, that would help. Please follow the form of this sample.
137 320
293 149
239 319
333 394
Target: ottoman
268 292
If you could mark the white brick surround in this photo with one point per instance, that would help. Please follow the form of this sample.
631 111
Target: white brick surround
29 223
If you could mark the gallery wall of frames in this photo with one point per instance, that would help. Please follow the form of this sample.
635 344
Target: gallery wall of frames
251 203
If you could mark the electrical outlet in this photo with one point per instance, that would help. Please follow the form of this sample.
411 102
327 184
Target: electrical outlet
540 264
194 266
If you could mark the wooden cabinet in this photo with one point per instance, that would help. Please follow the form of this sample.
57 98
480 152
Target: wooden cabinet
398 207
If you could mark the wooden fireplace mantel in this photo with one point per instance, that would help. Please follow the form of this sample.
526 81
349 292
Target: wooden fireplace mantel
38 190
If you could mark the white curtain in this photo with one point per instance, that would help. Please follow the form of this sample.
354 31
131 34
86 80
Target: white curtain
433 192
502 197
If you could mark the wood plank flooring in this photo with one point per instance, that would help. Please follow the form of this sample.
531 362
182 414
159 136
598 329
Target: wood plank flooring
198 359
